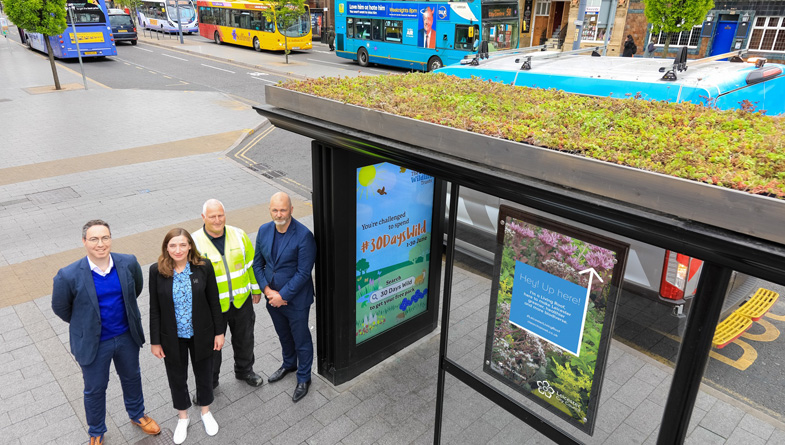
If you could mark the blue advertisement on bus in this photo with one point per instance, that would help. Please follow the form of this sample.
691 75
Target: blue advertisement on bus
396 10
394 211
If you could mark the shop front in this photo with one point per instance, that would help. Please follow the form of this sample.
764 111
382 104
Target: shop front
500 24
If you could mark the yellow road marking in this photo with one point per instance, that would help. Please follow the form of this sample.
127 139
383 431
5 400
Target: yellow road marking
776 317
748 356
241 154
770 334
290 180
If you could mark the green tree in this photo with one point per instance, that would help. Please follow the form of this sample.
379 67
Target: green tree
288 17
362 266
673 16
43 16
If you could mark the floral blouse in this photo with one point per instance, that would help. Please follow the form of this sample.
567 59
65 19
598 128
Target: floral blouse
183 302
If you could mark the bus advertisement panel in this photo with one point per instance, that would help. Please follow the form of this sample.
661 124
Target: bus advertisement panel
162 15
243 23
91 27
418 36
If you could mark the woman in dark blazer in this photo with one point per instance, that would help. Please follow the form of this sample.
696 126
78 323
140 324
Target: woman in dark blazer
185 317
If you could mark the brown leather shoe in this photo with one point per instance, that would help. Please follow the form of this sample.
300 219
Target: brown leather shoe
99 440
147 425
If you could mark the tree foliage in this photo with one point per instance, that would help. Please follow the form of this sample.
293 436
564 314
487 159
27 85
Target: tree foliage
285 14
43 16
672 16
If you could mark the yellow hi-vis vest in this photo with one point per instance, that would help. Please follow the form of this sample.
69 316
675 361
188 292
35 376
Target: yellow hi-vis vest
237 259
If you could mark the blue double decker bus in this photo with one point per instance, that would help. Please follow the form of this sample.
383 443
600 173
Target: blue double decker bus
90 25
416 35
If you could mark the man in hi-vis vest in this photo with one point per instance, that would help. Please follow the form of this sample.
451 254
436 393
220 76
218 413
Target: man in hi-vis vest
230 251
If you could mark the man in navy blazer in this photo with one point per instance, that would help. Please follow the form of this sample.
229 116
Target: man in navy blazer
96 296
284 256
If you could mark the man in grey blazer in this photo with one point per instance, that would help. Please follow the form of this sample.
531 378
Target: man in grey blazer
96 296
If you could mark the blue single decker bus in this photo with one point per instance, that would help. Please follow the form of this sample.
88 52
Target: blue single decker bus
91 26
419 36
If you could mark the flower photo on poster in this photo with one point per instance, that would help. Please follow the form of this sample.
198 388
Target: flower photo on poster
551 312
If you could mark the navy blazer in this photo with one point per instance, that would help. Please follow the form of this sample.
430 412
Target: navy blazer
75 301
206 313
292 268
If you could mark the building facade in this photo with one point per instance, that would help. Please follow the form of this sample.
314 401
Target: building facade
757 25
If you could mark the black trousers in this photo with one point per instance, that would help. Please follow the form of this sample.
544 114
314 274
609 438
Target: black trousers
241 324
177 373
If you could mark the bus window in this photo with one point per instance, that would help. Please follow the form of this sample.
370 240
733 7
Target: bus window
349 28
244 20
362 29
462 39
376 29
393 30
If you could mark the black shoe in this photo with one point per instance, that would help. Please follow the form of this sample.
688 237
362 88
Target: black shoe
252 379
300 391
279 374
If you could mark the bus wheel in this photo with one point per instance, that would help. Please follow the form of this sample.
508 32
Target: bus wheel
217 38
434 63
256 45
362 57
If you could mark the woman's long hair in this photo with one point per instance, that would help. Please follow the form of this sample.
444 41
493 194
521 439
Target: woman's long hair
166 263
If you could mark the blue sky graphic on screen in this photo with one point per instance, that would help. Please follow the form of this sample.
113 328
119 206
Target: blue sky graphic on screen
549 307
394 208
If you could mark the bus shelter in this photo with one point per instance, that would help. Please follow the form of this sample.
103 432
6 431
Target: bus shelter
565 197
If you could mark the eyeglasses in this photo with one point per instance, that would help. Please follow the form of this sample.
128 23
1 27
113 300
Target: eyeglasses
103 239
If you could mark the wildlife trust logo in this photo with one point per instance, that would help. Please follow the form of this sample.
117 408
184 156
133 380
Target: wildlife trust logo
545 388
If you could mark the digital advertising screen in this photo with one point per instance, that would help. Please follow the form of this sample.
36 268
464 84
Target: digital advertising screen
393 242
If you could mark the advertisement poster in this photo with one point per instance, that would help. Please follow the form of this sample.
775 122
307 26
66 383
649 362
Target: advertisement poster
551 312
394 211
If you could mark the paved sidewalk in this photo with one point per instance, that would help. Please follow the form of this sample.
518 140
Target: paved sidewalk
66 158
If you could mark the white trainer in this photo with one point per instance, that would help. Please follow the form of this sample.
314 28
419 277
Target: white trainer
181 431
210 425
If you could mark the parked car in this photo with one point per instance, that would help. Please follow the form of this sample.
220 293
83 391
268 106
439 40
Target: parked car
666 277
123 28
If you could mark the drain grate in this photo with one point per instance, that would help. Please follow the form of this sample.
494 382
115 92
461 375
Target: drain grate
266 171
273 174
53 196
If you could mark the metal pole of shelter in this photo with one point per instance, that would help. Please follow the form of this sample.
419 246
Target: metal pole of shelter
576 43
694 353
448 266
179 20
78 51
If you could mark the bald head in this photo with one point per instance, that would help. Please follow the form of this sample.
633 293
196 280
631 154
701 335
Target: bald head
281 211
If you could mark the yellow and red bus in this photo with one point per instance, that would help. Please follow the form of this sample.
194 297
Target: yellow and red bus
243 23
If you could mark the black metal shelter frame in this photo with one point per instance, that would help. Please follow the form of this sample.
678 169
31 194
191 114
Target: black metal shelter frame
722 251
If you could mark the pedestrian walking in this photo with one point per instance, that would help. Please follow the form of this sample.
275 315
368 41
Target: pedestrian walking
331 38
285 255
629 47
231 253
96 296
185 317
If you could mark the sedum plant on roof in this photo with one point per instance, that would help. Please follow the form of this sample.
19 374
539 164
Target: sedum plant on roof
737 149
